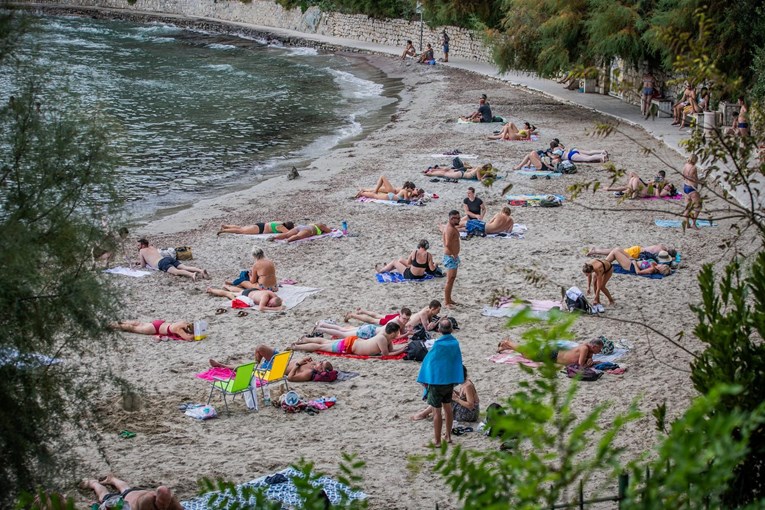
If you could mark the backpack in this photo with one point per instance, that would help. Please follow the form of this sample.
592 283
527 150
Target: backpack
437 272
419 333
457 163
575 300
550 201
415 350
566 167
576 371
475 228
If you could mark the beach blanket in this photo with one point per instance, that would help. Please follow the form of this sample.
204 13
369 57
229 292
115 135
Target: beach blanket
539 173
394 277
529 200
620 270
292 295
10 356
679 223
285 492
126 271
390 202
360 356
256 236
538 309
517 233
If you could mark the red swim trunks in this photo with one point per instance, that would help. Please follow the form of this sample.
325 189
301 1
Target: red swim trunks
385 320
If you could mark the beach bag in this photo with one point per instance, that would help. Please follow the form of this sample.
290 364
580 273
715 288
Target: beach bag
419 333
457 163
200 330
437 272
576 371
550 201
416 350
183 253
576 301
475 228
455 325
566 167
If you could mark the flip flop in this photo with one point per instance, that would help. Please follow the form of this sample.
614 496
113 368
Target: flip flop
458 431
220 311
126 434
242 313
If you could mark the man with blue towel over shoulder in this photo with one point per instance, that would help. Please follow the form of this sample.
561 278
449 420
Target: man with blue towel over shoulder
440 371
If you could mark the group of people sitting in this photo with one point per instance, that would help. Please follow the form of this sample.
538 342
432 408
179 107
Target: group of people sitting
636 187
548 159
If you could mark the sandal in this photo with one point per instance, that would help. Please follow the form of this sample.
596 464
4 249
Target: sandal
220 311
242 313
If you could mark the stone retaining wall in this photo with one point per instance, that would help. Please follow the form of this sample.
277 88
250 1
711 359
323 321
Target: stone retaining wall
390 32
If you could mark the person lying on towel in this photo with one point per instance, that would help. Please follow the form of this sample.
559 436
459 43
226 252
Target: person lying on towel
381 343
303 370
581 354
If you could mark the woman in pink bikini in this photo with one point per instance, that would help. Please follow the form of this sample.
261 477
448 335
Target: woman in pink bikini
181 330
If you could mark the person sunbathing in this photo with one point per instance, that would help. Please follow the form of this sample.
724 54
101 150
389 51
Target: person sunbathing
416 266
381 343
161 498
500 222
265 300
272 227
182 330
636 187
303 370
579 155
642 266
581 354
534 160
384 190
511 132
636 252
379 319
466 172
301 232
364 331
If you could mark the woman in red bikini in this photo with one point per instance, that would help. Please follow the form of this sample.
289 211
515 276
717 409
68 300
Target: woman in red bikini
182 330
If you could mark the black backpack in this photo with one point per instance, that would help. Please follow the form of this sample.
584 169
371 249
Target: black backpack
415 350
419 333
579 303
458 164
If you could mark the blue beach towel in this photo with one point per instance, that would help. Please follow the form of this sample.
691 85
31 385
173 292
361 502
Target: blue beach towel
539 173
620 270
394 277
679 223
443 363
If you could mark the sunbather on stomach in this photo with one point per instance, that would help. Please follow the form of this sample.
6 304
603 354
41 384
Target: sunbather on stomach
381 343
302 232
272 227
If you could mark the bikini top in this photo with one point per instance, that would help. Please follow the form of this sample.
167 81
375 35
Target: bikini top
274 225
417 264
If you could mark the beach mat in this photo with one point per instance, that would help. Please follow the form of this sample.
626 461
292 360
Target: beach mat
394 277
620 270
529 200
292 295
679 223
286 493
126 271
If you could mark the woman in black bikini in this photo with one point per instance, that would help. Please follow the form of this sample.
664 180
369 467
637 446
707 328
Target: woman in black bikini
599 272
272 227
415 267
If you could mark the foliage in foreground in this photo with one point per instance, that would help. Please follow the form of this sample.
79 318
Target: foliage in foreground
55 174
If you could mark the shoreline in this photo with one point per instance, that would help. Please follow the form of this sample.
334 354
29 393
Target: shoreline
372 415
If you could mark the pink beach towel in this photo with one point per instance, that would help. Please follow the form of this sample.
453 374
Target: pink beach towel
513 358
221 373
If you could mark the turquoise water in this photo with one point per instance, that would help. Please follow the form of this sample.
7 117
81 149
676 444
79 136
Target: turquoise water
196 113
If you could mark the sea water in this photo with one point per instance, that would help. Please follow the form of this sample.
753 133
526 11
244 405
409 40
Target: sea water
194 114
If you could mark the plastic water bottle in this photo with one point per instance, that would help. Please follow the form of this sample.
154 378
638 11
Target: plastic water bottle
345 227
267 398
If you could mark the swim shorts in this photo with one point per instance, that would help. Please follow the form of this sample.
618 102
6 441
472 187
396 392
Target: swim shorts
439 394
344 345
385 320
165 263
688 189
647 91
451 262
366 331
409 276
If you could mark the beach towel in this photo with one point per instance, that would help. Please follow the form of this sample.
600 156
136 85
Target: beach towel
517 233
443 363
537 308
126 271
534 138
10 356
679 223
390 202
256 236
333 233
620 270
513 358
529 200
619 352
344 376
292 295
539 173
461 156
362 356
394 277
285 492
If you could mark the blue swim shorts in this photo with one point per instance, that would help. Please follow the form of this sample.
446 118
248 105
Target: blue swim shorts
451 262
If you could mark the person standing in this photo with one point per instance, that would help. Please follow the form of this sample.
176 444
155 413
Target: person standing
445 37
649 85
441 369
691 190
451 255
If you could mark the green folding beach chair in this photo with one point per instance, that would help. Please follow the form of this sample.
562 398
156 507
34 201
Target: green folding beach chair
240 383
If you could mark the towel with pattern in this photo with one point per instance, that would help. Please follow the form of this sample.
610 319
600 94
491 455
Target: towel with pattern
285 492
394 277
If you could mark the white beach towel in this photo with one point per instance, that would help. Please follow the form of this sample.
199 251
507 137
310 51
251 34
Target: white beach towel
538 308
461 156
293 295
126 271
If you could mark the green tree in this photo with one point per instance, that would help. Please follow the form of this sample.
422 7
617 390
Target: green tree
56 181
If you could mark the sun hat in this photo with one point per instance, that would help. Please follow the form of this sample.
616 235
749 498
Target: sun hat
664 257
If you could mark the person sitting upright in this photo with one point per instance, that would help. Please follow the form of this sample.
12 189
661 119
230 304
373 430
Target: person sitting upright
150 256
416 266
427 317
473 207
427 56
483 114
409 50
262 273
500 222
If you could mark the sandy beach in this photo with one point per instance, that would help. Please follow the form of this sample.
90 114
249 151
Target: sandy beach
371 418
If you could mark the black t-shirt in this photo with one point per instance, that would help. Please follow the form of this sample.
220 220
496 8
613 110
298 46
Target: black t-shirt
485 111
474 206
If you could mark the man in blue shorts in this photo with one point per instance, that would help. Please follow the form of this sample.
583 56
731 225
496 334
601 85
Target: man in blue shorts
451 255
